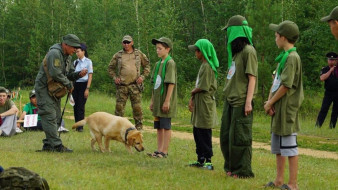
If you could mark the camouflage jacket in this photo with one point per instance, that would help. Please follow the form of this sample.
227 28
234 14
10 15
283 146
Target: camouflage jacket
141 60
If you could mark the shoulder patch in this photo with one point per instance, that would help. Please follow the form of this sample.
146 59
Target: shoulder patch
57 63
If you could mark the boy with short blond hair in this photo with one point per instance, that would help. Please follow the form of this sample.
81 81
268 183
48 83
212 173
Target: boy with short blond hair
163 102
285 98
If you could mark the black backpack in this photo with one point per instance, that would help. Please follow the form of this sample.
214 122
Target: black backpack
15 178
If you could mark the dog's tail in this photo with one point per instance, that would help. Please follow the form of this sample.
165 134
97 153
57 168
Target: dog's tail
79 123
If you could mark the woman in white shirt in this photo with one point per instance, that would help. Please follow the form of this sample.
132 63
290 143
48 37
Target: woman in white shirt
82 85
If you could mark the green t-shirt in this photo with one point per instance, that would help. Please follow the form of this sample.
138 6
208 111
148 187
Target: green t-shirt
244 63
31 109
158 99
204 115
285 121
7 106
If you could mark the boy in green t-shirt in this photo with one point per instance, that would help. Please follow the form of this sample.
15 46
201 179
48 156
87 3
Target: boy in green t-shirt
239 91
31 108
164 95
202 103
285 98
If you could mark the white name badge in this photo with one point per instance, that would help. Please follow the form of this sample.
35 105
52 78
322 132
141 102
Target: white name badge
158 82
232 70
276 84
30 120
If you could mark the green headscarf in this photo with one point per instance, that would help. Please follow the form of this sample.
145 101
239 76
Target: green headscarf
281 59
162 73
234 32
209 53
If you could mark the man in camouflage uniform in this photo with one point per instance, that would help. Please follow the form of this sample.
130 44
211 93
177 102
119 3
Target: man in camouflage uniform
125 69
60 69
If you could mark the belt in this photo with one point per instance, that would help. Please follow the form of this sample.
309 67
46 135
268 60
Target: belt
122 84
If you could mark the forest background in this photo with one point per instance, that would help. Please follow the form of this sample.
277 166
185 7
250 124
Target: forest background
29 27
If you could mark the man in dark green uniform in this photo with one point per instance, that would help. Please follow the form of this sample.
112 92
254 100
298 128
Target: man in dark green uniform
60 69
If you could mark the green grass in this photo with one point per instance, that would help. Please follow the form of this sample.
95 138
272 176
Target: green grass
85 169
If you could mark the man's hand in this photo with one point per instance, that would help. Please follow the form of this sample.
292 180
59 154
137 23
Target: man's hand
151 106
139 80
71 90
117 81
332 68
83 72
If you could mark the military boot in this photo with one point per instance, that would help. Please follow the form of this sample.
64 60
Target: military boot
61 148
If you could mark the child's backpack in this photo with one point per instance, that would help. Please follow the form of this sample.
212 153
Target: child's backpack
15 178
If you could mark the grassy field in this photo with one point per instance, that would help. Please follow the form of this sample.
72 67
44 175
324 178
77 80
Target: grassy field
85 169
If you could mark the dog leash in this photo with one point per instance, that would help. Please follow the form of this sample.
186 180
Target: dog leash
63 111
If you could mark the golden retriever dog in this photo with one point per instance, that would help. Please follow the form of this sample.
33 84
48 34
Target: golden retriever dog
111 127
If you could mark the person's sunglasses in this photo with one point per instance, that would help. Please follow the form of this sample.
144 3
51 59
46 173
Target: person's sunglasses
126 42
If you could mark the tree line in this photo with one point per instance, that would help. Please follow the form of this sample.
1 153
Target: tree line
29 27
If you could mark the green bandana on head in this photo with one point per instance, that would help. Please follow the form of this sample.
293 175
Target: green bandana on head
209 53
281 59
234 32
162 73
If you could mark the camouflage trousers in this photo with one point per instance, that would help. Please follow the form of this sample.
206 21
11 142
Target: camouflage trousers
133 92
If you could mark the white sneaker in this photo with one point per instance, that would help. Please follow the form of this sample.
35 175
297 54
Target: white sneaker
62 129
18 130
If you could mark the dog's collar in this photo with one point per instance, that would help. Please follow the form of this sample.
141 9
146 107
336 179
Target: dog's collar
126 134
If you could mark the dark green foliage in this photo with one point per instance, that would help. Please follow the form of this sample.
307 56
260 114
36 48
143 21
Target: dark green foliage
29 27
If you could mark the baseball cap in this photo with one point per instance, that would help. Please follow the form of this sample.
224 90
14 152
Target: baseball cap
31 93
331 55
286 28
163 40
71 40
236 20
127 38
333 15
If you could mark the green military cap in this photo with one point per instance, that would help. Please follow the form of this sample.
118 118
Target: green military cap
3 90
163 40
286 28
333 15
32 93
127 38
71 40
236 20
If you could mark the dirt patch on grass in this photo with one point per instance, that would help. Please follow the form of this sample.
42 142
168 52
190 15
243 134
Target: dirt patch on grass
256 145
